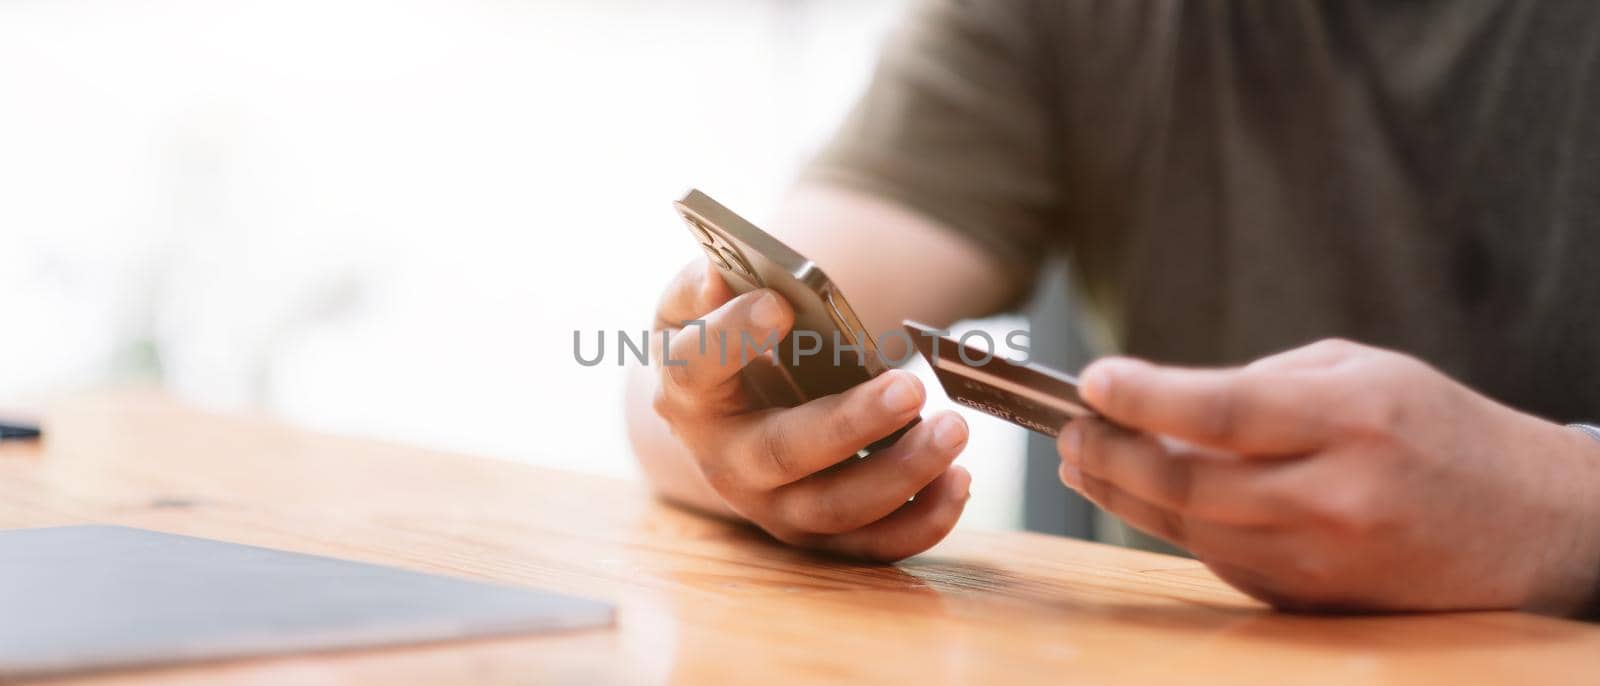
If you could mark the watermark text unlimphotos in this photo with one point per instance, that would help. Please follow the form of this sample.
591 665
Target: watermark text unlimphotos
802 344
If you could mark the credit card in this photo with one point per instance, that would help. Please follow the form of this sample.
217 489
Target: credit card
1028 395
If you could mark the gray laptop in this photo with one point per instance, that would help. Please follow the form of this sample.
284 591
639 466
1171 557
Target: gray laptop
83 598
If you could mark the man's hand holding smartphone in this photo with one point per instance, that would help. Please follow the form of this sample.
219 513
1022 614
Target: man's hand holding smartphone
793 471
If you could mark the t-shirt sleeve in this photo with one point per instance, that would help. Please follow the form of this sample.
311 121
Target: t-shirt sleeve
957 125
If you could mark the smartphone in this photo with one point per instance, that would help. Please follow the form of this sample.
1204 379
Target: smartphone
811 362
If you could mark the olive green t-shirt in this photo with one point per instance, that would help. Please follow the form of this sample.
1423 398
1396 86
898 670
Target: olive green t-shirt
1232 179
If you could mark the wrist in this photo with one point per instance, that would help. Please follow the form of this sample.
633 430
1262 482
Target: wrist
667 464
1571 584
1589 607
1590 430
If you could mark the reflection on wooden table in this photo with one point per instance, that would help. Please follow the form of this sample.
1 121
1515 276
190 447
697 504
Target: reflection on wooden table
703 601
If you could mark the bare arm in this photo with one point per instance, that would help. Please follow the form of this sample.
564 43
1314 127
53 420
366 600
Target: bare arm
893 263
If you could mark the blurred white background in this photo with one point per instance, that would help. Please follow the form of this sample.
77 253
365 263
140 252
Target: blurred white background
386 218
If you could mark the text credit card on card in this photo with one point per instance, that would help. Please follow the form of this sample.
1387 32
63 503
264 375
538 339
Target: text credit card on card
1028 395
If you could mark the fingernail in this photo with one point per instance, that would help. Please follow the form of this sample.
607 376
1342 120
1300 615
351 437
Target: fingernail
1071 476
766 312
901 396
948 433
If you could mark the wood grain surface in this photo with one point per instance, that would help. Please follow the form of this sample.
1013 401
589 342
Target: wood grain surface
702 601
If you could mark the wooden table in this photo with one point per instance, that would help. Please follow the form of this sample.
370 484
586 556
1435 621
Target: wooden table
702 601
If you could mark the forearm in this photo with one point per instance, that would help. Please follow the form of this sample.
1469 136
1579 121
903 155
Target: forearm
666 464
892 262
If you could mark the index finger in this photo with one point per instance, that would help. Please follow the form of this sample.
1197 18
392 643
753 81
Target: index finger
1239 410
694 292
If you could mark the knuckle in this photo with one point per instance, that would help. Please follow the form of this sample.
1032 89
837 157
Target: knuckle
776 451
721 480
898 547
1391 361
1373 415
1097 491
820 514
788 536
1222 418
680 375
844 426
1376 366
1063 473
1091 448
678 407
1178 484
1281 498
1353 508
662 404
1172 527
678 296
1340 347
